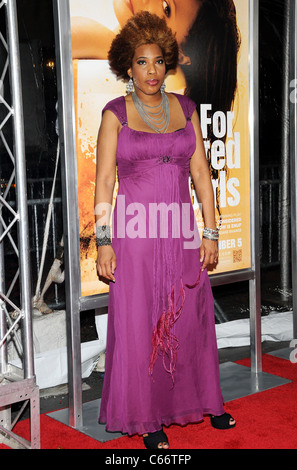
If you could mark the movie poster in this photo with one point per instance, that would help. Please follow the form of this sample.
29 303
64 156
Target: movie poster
94 23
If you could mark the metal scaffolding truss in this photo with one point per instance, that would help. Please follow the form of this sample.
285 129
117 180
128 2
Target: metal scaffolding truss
17 381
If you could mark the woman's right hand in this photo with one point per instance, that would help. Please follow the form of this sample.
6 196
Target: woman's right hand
106 262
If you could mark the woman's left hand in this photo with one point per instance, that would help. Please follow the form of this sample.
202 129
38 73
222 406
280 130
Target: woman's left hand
209 252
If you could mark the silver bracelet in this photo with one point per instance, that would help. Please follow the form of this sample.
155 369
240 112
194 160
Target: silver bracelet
211 234
103 236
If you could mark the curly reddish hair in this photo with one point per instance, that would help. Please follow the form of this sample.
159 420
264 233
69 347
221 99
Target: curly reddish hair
142 28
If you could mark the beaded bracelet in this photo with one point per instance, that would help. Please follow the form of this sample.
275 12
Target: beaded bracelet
211 234
103 236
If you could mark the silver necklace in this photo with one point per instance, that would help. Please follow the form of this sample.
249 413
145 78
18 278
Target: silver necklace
158 120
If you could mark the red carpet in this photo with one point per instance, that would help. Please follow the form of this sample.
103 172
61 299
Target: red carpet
266 420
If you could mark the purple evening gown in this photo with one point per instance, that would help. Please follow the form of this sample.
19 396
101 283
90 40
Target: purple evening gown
161 358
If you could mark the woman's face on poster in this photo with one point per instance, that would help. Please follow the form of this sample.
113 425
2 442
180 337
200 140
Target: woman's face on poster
179 14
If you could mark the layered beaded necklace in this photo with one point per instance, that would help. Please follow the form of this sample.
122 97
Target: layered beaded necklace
156 117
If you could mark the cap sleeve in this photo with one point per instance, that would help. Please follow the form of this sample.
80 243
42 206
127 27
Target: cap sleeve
187 104
118 108
191 106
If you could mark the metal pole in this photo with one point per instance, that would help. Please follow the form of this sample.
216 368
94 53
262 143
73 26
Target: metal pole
3 348
21 184
254 284
285 166
5 411
70 207
293 154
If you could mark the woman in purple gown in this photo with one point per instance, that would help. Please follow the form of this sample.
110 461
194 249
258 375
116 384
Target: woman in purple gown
161 358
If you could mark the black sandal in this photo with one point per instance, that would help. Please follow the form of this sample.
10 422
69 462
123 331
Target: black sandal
222 422
154 439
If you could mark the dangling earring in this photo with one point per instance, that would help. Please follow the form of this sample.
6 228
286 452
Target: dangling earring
130 86
163 86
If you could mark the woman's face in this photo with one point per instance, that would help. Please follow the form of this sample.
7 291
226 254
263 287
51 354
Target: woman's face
148 69
179 14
